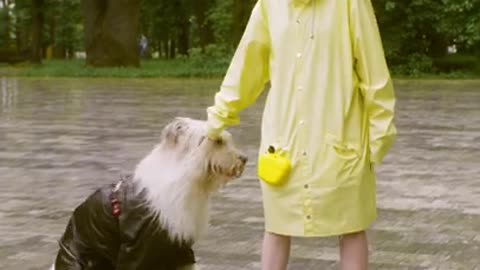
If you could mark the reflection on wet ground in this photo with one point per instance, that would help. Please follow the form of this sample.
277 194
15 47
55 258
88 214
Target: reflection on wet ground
61 138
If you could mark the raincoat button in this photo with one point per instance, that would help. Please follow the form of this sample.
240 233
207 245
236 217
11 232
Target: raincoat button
306 186
309 217
299 55
300 88
302 122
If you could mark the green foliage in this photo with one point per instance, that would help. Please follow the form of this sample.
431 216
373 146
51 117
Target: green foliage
221 18
22 17
164 21
417 33
67 26
175 68
415 65
149 69
211 58
4 31
197 36
461 21
457 62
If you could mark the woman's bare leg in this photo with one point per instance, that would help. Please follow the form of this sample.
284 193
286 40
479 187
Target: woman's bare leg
275 251
354 251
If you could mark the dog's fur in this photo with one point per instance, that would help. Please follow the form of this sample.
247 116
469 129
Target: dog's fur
181 173
193 167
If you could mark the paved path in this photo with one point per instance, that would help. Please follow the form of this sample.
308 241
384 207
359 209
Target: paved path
61 138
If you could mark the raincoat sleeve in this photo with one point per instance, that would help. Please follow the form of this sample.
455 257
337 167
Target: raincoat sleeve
374 79
246 76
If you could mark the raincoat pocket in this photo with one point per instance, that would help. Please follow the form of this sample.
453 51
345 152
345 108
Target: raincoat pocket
344 160
343 150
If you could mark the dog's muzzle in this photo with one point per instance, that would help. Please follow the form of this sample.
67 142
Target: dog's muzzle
238 169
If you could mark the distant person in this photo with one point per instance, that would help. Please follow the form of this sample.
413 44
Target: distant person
143 45
329 111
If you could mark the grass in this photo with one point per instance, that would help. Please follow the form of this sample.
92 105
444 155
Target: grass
148 69
199 67
440 76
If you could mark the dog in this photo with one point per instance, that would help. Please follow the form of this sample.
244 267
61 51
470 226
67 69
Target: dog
151 219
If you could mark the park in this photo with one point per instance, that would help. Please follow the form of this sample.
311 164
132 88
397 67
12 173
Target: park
81 104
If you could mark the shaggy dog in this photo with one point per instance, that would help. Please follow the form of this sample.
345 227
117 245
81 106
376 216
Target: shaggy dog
151 220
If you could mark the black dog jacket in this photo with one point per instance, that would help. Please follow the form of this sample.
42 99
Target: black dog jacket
114 229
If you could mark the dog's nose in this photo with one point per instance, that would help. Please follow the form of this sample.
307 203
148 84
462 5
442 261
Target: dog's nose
243 158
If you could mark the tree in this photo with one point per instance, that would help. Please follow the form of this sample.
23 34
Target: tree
111 32
220 16
461 23
182 25
65 31
37 29
418 33
204 26
5 23
241 14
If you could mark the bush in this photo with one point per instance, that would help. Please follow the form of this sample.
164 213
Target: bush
415 65
11 56
457 62
182 67
213 58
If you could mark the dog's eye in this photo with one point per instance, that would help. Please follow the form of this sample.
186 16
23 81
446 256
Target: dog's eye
219 142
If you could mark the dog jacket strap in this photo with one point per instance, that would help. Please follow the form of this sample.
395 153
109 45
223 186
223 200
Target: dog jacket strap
114 199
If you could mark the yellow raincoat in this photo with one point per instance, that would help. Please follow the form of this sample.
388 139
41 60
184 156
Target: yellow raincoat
330 108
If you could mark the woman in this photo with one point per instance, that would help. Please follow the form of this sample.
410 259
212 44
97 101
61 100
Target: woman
330 108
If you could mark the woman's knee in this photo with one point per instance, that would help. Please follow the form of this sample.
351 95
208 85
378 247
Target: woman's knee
353 236
276 237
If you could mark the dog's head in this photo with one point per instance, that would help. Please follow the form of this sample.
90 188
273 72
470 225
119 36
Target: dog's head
187 139
183 170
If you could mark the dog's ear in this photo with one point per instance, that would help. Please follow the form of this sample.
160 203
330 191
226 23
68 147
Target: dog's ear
174 130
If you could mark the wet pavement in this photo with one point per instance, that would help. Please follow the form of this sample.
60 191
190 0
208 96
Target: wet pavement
61 138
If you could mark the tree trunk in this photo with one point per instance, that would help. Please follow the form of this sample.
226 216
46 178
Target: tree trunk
111 32
183 39
205 30
172 48
18 40
70 52
164 40
59 52
241 14
438 46
37 29
7 22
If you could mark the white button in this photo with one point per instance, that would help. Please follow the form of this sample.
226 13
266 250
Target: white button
299 55
300 88
302 122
